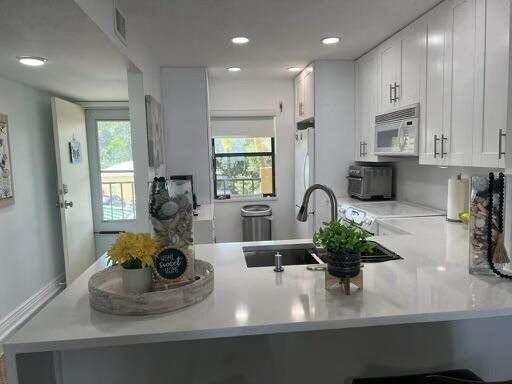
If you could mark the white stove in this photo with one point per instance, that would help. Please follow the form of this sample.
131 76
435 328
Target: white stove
365 214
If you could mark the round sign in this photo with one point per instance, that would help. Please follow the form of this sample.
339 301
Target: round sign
170 263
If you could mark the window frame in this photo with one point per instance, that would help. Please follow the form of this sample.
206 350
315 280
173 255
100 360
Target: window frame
272 155
93 116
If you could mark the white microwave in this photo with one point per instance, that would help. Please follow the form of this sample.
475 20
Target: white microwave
396 132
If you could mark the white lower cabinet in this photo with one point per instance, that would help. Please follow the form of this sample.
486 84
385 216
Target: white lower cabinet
366 105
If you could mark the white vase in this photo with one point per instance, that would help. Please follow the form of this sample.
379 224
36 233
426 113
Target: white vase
137 280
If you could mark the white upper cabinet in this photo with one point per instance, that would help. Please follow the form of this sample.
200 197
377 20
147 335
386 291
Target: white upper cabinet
463 77
488 139
299 97
389 54
366 106
399 68
309 94
452 93
431 95
305 95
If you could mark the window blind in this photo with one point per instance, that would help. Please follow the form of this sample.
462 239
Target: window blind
254 126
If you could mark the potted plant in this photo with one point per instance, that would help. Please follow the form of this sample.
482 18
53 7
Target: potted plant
343 244
134 252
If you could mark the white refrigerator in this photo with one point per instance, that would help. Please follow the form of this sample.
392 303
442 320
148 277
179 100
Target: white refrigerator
304 177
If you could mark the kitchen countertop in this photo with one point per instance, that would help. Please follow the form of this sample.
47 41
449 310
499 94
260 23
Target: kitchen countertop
430 284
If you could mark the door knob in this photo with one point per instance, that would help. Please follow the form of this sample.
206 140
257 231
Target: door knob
68 204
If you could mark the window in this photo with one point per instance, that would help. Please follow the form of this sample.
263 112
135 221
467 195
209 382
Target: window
243 166
116 170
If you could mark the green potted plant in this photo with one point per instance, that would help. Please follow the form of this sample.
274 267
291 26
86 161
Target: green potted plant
134 252
343 244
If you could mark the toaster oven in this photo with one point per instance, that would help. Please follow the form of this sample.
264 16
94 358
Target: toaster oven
370 182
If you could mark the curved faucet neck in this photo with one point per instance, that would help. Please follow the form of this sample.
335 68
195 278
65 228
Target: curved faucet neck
303 211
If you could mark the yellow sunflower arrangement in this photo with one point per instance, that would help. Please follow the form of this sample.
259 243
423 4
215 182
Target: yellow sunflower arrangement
133 250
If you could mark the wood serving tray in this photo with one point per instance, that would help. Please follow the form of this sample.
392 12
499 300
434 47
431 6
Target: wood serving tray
106 293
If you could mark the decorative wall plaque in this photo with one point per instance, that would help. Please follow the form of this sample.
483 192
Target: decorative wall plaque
170 263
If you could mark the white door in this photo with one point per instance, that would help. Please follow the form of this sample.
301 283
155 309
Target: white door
74 187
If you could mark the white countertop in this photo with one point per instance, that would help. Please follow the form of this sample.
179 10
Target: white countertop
432 283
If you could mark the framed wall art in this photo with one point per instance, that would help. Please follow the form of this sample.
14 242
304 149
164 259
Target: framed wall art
6 180
155 128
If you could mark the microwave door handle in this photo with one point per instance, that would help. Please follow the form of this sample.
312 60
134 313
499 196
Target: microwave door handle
401 141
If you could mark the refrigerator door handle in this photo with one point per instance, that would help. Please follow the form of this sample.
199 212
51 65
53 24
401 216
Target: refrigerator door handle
306 168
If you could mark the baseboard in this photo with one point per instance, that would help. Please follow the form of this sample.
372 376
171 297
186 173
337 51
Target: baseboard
29 307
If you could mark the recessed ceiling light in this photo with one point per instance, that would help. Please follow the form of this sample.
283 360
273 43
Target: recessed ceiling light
240 40
32 61
330 40
234 69
295 69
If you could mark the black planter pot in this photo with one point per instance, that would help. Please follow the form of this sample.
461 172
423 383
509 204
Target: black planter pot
347 265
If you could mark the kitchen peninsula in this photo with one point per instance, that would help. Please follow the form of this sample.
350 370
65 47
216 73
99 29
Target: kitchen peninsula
258 324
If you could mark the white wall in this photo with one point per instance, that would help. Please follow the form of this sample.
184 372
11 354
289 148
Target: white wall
334 129
427 184
30 239
185 109
244 95
137 51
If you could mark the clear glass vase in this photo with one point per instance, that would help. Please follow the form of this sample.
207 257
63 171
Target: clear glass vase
171 215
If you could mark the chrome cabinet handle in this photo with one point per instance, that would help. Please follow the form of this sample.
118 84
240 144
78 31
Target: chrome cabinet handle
443 139
390 93
436 139
396 98
365 145
500 143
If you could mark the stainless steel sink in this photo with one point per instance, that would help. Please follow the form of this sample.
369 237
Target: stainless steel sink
293 254
305 254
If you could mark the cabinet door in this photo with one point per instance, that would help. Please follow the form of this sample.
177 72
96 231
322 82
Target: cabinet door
309 94
366 100
299 97
463 73
432 83
389 73
486 139
412 40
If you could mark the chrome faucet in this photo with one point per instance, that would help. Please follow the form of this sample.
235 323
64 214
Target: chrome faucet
303 210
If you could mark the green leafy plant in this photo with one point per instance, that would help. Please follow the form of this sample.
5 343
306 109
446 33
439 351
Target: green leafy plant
342 238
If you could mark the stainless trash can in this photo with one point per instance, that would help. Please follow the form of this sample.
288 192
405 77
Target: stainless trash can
256 222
